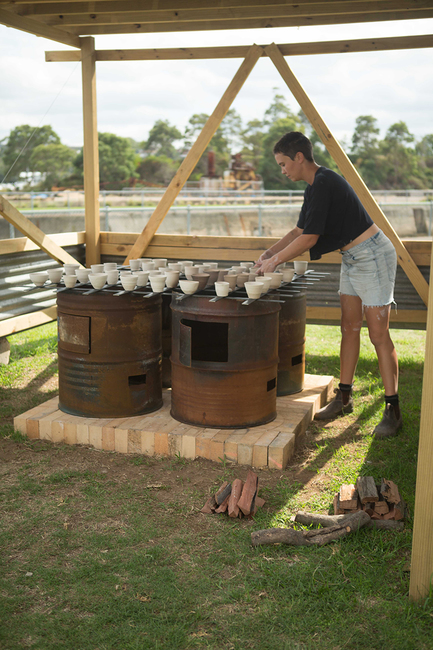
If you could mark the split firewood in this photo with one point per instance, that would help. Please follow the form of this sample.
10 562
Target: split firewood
233 508
336 504
389 491
209 506
367 489
311 537
312 519
223 506
222 492
381 507
249 491
348 497
368 507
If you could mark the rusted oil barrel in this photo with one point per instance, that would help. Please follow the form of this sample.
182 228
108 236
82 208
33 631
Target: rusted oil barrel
291 345
110 354
166 340
224 362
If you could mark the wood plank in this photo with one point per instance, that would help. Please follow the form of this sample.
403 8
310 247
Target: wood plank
195 153
26 321
38 29
348 170
24 225
90 152
20 244
240 51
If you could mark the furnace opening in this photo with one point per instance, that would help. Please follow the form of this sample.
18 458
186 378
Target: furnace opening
209 341
297 360
136 380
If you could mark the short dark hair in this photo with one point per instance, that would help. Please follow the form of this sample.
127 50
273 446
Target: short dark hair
291 143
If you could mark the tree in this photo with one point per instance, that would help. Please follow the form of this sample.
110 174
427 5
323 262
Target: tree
278 110
117 162
157 170
365 153
161 138
231 128
21 142
252 140
424 150
218 145
53 161
400 165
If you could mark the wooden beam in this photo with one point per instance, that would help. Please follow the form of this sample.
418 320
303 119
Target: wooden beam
240 51
26 321
421 567
24 225
20 244
195 153
252 23
90 152
348 170
38 29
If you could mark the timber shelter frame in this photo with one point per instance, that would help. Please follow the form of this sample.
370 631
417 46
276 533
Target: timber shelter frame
76 23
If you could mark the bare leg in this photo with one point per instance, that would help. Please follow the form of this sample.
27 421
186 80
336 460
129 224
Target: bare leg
351 323
378 328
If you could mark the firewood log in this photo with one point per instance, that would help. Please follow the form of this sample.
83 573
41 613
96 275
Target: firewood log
249 491
312 519
310 537
367 489
233 508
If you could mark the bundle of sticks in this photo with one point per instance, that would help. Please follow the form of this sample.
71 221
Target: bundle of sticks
379 501
237 499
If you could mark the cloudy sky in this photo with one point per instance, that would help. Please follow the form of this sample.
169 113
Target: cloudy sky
391 86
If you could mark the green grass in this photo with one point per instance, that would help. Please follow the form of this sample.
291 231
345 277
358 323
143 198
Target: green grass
100 551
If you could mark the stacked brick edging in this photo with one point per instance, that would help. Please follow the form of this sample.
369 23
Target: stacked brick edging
270 445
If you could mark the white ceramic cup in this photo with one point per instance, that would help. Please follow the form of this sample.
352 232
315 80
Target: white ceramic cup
300 267
254 289
125 272
83 275
110 266
142 278
154 272
188 286
172 279
186 263
175 266
266 281
70 269
231 280
97 280
70 281
157 282
288 274
112 276
148 266
97 268
55 275
222 288
276 279
135 265
39 278
160 261
129 282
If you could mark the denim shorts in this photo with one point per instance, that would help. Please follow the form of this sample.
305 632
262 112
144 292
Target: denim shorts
368 271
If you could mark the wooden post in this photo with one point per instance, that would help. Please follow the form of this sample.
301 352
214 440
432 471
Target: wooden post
194 153
348 170
90 152
421 568
24 225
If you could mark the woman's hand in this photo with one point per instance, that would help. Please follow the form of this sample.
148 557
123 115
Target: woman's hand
268 265
264 256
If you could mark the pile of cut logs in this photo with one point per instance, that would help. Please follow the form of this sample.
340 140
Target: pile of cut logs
237 499
379 501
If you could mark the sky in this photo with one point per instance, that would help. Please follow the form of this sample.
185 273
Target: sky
131 96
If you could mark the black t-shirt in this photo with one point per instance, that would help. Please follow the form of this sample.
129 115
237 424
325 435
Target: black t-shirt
332 210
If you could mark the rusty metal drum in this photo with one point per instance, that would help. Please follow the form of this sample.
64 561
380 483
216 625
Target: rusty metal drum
291 345
224 362
110 354
166 340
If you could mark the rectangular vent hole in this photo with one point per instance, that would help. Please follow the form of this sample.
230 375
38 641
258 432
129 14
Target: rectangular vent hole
272 384
209 340
136 380
297 360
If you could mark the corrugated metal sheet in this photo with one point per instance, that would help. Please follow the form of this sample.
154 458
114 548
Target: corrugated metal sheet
14 278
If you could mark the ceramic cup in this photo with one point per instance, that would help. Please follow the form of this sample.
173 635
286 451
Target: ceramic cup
55 275
221 274
231 279
110 266
135 265
157 282
190 269
288 275
70 281
175 266
154 273
300 267
160 261
70 269
39 278
276 279
201 278
186 263
213 276
142 278
125 272
148 266
97 280
82 275
112 276
222 288
266 281
254 289
188 286
97 268
212 265
129 282
247 265
172 279
242 278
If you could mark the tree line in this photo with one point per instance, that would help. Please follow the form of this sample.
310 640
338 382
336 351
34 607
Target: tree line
397 161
